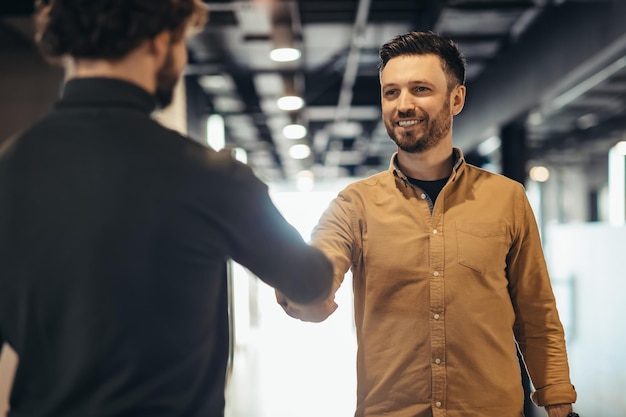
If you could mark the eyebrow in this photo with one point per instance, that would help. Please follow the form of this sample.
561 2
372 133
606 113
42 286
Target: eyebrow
414 82
422 82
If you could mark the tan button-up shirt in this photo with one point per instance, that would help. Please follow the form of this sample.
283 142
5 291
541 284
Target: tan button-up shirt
441 297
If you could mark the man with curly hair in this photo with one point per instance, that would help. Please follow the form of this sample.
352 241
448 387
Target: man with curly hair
115 232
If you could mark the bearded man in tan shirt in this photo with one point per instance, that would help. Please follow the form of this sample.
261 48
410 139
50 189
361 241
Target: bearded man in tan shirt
448 270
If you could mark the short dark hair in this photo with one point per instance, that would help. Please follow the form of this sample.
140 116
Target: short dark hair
109 29
421 43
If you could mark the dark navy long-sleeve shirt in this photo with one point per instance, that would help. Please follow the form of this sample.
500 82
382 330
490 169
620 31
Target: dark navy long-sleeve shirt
114 238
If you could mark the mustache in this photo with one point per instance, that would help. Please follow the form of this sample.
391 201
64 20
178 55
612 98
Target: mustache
411 114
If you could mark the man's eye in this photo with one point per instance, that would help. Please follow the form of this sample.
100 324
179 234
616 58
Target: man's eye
390 92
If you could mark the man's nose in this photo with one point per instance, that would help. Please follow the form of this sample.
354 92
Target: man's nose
405 102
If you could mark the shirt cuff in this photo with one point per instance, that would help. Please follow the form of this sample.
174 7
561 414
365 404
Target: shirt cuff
564 393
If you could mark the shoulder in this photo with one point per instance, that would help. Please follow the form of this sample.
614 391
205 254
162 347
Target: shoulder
218 166
490 178
368 190
365 185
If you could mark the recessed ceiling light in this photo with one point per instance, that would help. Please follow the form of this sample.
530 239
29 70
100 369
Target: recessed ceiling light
539 173
285 54
216 83
294 131
300 151
290 103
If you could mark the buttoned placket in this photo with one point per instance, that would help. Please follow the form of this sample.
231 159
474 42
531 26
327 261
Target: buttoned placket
437 316
437 303
437 294
437 299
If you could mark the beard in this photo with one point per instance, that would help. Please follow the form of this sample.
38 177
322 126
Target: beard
167 78
434 130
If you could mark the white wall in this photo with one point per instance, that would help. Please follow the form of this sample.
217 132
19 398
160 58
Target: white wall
587 265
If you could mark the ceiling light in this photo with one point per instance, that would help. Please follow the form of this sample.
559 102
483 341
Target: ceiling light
299 151
285 54
346 129
539 173
290 103
216 83
294 131
227 104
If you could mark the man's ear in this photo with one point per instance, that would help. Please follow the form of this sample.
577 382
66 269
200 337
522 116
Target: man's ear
160 45
457 99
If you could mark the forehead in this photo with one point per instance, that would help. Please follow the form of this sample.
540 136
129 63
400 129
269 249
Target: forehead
411 68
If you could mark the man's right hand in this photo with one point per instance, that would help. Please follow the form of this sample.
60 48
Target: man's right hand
315 312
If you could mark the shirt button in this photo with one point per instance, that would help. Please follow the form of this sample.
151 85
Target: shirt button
423 196
438 403
436 273
436 316
435 232
437 361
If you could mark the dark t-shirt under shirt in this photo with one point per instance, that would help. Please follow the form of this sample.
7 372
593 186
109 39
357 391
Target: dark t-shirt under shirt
432 188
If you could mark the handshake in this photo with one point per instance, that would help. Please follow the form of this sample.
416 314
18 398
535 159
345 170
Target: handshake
314 312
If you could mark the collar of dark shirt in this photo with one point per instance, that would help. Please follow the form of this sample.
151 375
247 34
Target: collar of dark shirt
87 92
457 156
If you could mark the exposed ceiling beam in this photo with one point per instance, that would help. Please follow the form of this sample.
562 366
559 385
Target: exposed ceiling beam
563 47
352 64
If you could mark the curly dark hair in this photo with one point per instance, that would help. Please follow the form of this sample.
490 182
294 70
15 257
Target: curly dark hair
109 29
420 43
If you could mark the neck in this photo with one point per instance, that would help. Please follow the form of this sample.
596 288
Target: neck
431 165
136 68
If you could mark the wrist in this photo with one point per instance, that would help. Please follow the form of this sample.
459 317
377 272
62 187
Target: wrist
560 410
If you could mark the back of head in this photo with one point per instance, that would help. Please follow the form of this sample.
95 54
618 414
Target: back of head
109 29
422 43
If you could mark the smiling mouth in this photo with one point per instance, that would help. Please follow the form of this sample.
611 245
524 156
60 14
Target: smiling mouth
409 123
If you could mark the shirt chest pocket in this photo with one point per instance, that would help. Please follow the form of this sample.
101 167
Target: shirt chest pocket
482 246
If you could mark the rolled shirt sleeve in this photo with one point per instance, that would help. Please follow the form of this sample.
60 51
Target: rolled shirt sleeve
538 328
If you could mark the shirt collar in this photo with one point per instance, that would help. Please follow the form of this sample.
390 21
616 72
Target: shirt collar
90 92
459 163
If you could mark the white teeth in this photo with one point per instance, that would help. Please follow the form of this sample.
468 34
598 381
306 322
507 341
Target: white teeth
405 123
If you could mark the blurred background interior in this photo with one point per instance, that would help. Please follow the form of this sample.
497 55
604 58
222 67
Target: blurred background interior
292 87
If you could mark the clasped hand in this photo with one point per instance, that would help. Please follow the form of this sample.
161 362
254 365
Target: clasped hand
315 312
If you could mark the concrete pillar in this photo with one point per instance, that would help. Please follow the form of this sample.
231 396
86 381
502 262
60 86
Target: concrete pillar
514 151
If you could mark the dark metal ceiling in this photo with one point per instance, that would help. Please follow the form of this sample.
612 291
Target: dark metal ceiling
338 78
557 67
